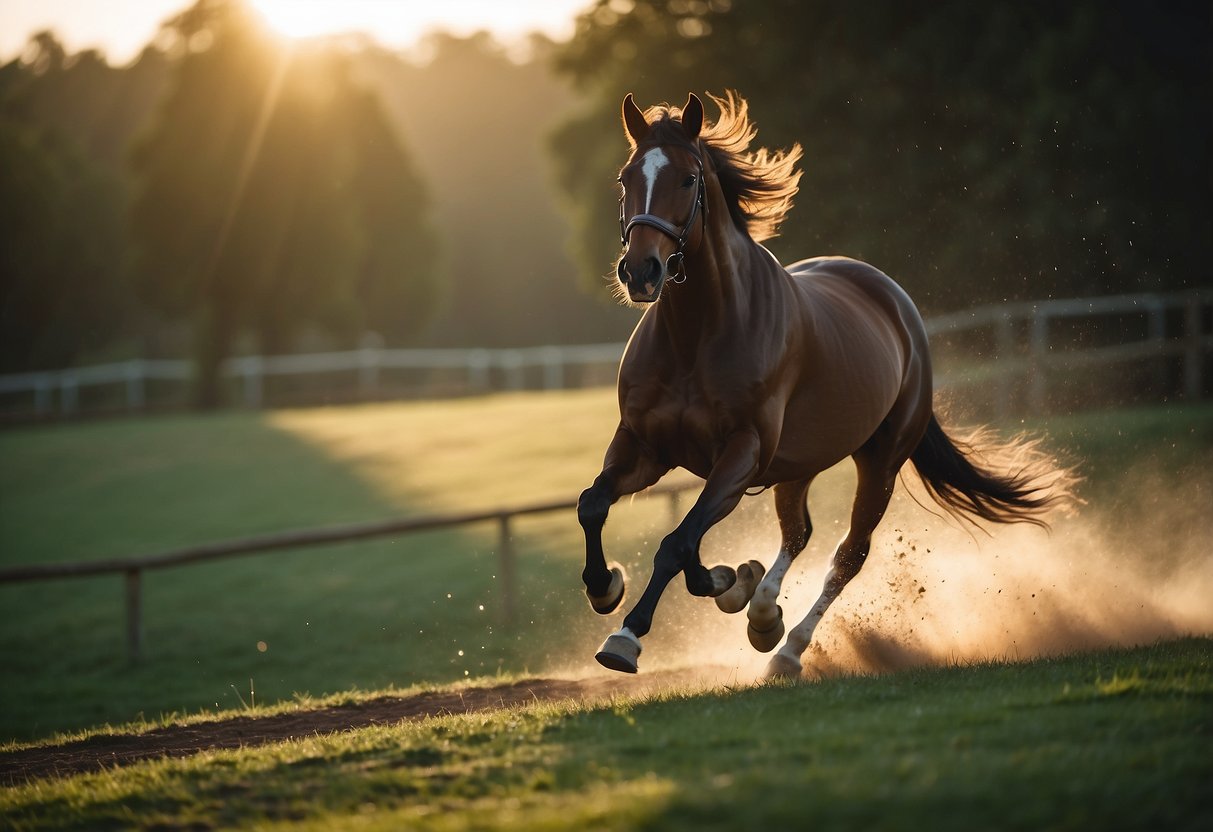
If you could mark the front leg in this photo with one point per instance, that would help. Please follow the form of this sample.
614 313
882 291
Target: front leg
626 470
733 472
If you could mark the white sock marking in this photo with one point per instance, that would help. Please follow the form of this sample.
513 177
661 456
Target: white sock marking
762 605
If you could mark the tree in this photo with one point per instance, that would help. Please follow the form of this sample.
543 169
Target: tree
62 281
398 233
480 118
252 208
976 152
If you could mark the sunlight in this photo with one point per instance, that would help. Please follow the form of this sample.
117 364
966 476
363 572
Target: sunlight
304 20
397 23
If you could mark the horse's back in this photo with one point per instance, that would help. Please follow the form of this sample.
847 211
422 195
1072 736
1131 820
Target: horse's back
851 290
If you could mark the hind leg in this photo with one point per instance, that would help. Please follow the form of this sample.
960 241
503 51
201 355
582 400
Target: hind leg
871 498
765 627
876 464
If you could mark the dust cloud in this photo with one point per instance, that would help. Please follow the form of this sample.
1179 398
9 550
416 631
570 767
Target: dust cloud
1133 566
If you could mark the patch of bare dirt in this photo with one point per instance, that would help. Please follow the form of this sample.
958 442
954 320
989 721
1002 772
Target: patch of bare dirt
115 750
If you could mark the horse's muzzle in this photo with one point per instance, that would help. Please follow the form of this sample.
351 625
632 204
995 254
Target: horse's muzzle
644 286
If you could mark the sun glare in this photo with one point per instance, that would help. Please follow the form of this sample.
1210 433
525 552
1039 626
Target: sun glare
403 23
303 20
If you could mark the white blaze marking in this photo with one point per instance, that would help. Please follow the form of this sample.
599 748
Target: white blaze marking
654 161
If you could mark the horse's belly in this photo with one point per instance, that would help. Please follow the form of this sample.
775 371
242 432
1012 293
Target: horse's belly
823 425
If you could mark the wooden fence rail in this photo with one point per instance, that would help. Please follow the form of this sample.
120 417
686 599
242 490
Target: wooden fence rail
132 568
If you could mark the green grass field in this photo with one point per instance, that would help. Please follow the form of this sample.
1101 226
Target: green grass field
1113 738
365 615
1108 740
421 609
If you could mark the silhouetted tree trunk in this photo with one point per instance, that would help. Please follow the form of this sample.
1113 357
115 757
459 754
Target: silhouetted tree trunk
213 344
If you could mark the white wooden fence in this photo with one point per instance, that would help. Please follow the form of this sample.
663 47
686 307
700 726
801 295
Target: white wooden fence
1177 324
509 369
476 365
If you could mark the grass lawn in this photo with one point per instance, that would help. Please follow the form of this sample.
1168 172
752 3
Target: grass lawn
425 608
1108 740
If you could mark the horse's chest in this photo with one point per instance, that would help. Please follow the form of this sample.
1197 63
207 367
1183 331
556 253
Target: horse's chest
683 431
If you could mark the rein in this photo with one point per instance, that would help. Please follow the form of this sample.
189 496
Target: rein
675 264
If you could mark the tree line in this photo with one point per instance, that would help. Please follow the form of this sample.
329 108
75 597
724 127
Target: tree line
977 152
229 192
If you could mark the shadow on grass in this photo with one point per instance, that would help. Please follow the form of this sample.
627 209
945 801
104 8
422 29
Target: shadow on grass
248 631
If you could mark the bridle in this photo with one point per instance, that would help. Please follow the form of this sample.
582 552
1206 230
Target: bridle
675 265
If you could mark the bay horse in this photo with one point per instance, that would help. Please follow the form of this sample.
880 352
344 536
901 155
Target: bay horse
752 376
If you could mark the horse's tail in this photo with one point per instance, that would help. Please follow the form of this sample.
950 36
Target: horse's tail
999 481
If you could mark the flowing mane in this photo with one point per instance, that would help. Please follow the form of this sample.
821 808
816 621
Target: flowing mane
758 185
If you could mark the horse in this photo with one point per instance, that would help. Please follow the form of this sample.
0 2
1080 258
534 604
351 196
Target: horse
754 376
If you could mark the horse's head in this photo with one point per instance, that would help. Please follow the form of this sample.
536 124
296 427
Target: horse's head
662 206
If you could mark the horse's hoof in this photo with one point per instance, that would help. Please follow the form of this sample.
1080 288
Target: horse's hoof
735 598
764 641
620 651
724 578
782 667
608 603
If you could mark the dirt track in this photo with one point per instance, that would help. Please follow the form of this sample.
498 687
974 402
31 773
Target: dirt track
184 740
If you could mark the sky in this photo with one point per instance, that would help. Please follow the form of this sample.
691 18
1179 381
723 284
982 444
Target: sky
121 28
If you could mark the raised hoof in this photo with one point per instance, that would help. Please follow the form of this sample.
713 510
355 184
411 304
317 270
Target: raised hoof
724 578
619 652
739 594
607 604
783 667
764 641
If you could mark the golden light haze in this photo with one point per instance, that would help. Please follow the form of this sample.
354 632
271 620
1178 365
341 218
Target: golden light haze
121 29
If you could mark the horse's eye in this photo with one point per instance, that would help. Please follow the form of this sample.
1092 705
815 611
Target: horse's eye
689 181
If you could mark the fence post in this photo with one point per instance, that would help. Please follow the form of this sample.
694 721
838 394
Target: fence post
134 384
1194 370
505 554
512 364
479 361
42 394
553 368
69 393
1039 346
1004 340
369 361
134 615
253 389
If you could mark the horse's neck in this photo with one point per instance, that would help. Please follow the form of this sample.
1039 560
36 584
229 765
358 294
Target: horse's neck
718 290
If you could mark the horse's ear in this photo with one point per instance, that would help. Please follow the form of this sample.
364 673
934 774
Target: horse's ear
692 117
634 121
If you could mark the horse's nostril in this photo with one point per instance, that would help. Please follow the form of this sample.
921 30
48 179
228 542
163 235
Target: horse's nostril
621 270
652 270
